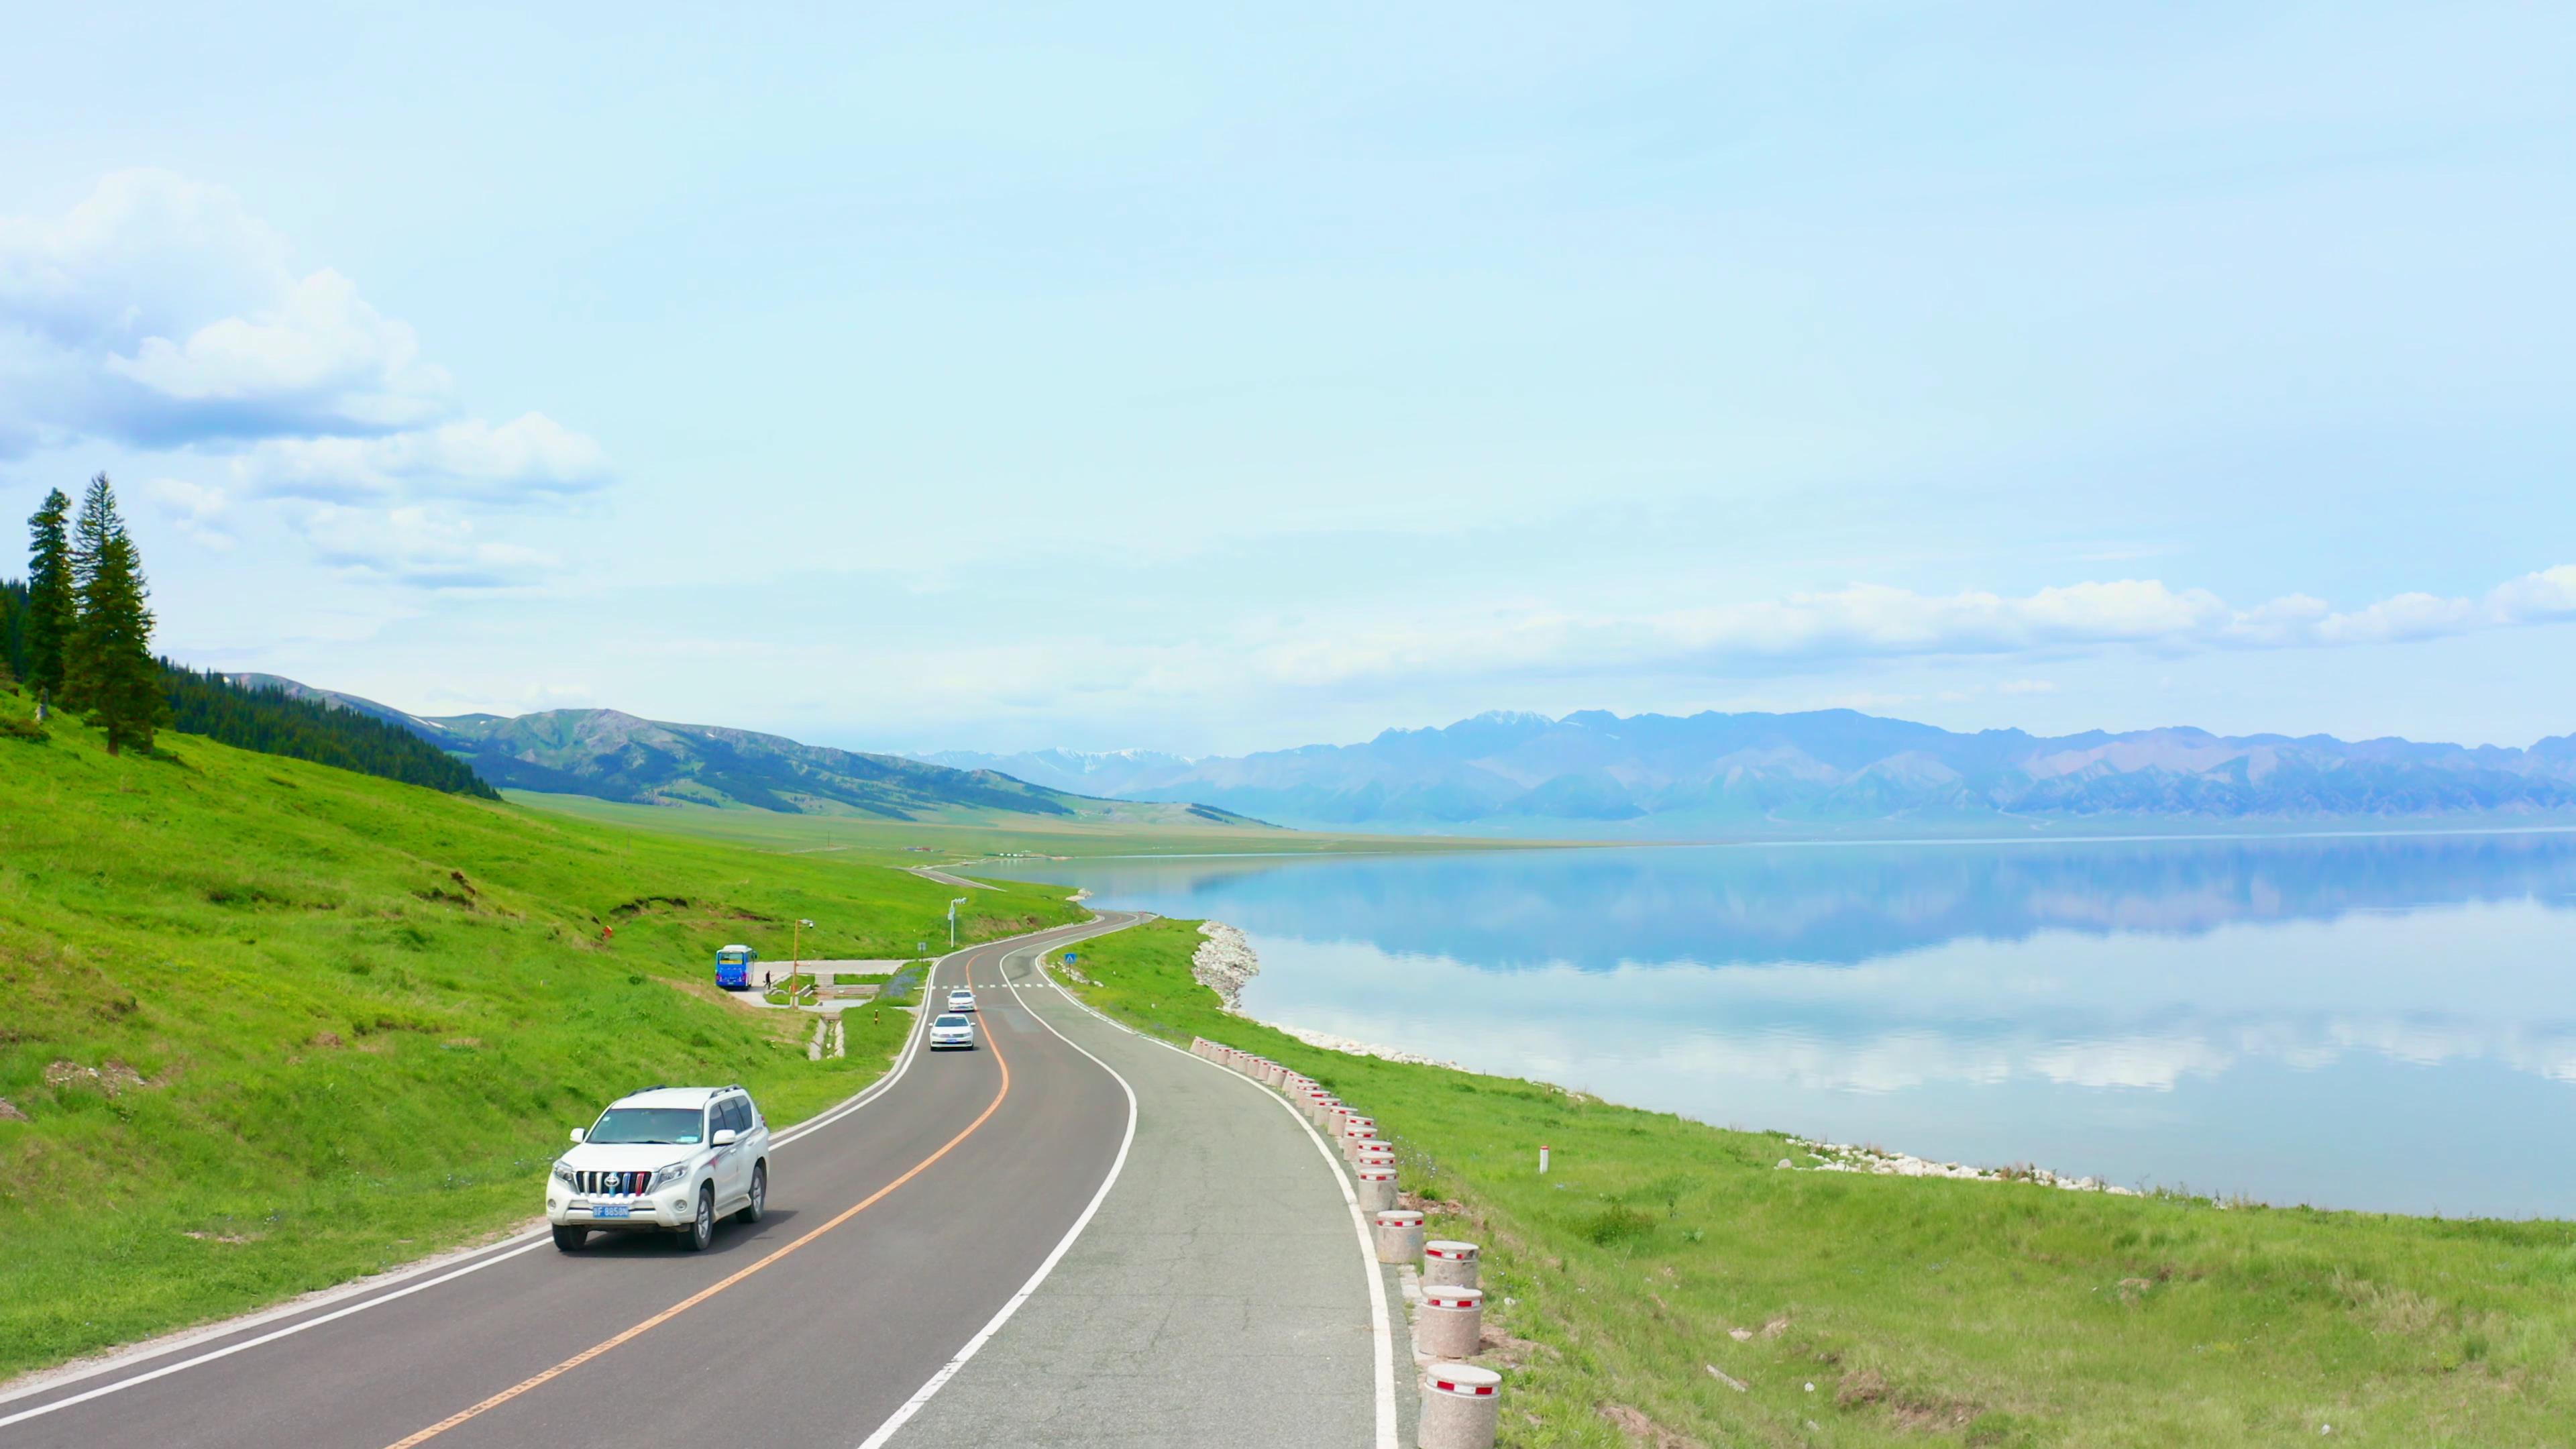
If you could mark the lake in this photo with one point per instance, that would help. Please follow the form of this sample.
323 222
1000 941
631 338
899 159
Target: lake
2382 1022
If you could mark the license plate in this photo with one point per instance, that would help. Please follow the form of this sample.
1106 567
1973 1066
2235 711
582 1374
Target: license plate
610 1210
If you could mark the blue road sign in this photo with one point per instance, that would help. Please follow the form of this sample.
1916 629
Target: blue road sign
1070 958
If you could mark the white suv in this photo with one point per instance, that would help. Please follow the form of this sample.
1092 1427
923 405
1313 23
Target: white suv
665 1159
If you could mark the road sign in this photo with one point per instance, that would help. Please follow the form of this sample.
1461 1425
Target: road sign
1070 958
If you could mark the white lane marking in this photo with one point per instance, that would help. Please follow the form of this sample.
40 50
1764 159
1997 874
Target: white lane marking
502 1251
948 1370
1381 1330
230 1349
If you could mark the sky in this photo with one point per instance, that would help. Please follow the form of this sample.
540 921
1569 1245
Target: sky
1204 380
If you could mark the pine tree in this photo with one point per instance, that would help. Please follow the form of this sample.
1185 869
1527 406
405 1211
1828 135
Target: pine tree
12 610
49 596
110 672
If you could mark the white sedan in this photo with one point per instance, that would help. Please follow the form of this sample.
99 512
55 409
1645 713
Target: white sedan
961 1000
951 1030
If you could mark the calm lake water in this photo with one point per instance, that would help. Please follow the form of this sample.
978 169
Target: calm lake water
2379 1022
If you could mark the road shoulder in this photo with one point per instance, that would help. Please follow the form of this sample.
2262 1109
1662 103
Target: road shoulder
1216 1297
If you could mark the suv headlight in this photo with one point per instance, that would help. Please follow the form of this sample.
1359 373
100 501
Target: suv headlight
676 1172
564 1175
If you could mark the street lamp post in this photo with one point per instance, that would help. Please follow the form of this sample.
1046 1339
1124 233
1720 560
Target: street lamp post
797 966
952 921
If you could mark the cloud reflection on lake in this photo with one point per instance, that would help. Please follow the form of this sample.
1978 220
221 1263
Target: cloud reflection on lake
2299 1019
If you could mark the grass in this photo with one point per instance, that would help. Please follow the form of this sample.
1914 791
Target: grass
272 1025
1922 1311
895 841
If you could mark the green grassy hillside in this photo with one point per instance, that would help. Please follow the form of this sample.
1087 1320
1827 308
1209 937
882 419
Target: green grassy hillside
265 1025
1861 1310
607 754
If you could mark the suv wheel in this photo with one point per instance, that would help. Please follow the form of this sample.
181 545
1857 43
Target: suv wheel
759 1203
702 1228
569 1240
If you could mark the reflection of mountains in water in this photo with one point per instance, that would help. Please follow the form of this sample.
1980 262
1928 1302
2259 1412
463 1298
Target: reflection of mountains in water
1835 904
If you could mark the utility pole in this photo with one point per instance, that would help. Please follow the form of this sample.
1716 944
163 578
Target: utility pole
952 921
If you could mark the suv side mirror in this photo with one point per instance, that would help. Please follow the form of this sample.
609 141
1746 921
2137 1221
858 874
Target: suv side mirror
576 1137
726 1136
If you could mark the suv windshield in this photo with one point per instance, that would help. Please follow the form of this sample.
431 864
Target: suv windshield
678 1126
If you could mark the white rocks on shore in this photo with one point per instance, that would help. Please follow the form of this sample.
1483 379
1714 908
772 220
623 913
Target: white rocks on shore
1223 962
1348 1047
1848 1157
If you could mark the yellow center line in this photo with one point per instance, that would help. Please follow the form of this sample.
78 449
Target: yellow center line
711 1290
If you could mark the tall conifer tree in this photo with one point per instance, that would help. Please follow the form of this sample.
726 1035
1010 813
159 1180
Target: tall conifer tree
109 666
49 595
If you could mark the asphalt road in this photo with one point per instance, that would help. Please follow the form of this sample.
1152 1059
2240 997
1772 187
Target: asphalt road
1220 1295
895 1233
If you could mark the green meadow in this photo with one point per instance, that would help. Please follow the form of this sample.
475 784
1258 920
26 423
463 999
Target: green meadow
931 842
265 1025
1658 1254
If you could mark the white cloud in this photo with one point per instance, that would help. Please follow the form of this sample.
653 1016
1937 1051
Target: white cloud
197 508
1873 621
321 348
532 455
423 546
159 312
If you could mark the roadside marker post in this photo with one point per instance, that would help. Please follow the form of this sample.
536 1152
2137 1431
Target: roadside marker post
1377 1189
1452 1322
1399 1235
1461 1404
1448 1264
1542 1162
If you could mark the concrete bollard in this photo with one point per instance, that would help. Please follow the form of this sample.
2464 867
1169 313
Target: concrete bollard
1353 1122
1273 1074
1377 1189
1399 1235
1460 1404
1321 1113
1351 1144
1452 1322
1451 1265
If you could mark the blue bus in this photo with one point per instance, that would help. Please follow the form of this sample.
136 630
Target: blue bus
733 967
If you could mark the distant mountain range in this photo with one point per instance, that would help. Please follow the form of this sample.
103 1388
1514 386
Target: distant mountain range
1831 771
612 755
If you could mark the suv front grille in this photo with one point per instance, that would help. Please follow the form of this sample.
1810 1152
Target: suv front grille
610 1184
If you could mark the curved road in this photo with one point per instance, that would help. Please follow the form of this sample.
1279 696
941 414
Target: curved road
898 1226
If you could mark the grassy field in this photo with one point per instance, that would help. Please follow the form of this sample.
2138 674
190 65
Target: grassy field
919 844
1922 1311
267 1025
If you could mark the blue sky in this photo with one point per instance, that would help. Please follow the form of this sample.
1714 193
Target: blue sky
1209 381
